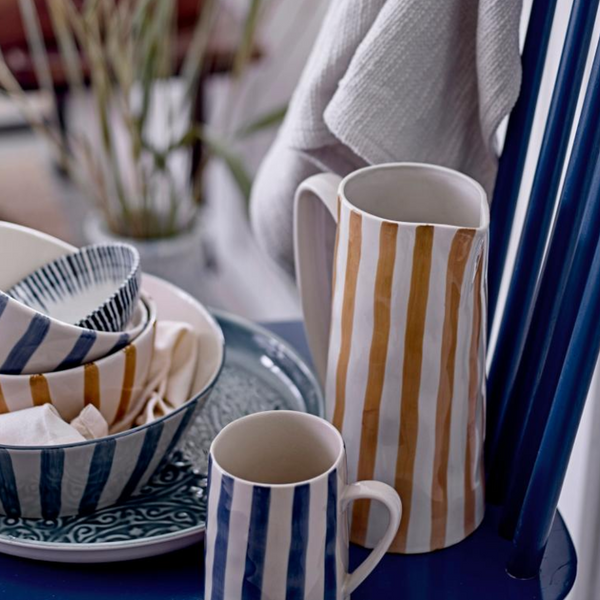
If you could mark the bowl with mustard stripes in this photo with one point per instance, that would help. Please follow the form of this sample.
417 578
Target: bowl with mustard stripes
79 478
112 384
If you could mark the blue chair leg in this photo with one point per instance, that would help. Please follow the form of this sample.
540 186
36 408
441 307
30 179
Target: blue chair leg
548 475
552 288
569 312
512 161
522 290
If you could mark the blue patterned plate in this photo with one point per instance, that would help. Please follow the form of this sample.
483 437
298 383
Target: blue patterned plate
261 372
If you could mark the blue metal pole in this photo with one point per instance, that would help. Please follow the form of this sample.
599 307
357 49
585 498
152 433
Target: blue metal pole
512 161
552 288
550 469
535 429
528 263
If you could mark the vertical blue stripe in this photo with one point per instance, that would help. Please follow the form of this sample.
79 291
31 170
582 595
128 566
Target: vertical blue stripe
22 351
81 268
257 543
35 290
121 343
183 424
74 274
222 538
65 276
331 538
100 467
121 310
93 256
144 459
79 351
51 475
299 545
8 486
50 278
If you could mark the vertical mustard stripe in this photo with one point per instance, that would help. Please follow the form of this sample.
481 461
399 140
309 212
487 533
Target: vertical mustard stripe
377 361
3 405
40 392
91 385
457 261
411 376
473 397
352 265
128 381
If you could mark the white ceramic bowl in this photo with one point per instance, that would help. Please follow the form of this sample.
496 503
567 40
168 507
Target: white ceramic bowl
79 478
31 342
23 250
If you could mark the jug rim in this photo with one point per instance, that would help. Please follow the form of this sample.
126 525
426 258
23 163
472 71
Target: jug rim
484 211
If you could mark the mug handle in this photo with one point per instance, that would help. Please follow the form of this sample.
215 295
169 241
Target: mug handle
314 206
387 495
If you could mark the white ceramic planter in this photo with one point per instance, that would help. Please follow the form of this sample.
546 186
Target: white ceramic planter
178 259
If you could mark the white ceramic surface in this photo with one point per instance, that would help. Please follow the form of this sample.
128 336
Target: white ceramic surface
69 479
30 342
23 250
396 325
179 259
278 510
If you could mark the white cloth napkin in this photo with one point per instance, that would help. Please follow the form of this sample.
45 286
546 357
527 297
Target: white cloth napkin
393 80
172 370
43 426
90 423
169 384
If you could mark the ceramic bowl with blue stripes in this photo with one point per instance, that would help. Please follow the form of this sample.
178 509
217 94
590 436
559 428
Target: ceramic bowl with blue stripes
32 343
97 287
114 384
79 478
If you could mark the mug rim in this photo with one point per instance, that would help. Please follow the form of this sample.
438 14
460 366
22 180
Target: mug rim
482 194
296 414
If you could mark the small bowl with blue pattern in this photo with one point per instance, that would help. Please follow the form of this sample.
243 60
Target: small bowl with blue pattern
32 342
95 288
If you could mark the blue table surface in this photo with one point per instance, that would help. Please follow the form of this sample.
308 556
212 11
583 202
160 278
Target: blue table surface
471 570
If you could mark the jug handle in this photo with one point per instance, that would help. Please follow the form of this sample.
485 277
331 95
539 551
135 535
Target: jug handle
315 217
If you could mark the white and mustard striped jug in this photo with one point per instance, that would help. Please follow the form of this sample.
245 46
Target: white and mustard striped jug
396 324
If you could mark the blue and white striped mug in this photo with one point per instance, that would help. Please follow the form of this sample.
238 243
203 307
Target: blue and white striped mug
278 521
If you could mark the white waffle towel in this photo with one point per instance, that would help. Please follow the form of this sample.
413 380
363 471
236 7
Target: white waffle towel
393 80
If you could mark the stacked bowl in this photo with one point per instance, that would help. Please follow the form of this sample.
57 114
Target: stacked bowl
77 328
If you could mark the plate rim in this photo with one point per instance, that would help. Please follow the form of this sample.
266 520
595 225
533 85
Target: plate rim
300 361
100 546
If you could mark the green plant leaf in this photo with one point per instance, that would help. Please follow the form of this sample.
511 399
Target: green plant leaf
218 150
273 118
124 47
237 170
